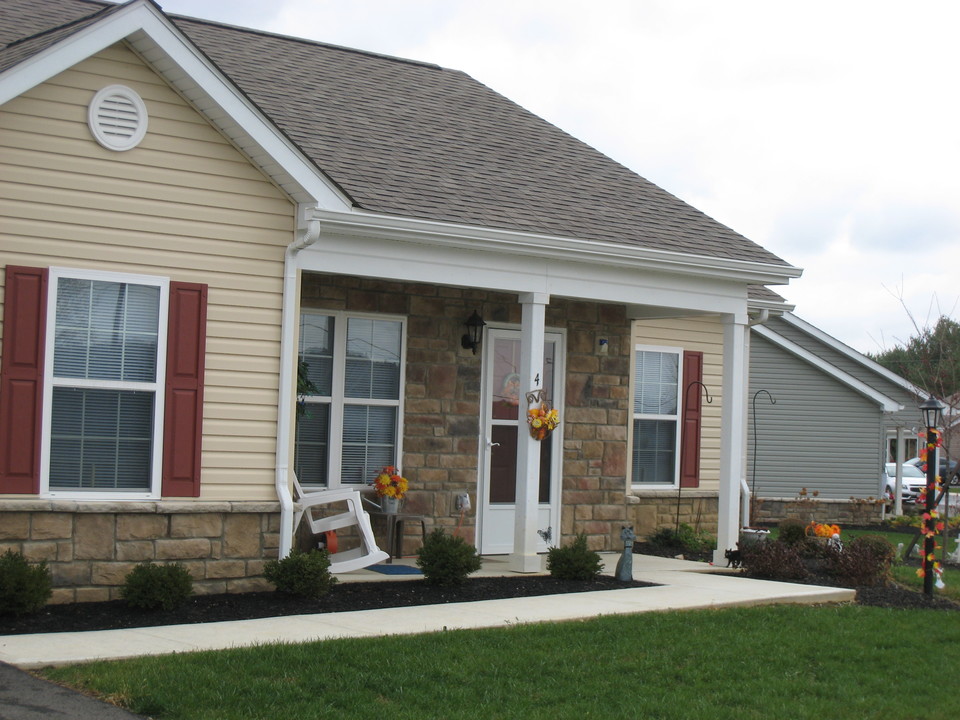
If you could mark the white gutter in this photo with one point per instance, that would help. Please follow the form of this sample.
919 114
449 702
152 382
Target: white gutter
308 232
761 318
475 238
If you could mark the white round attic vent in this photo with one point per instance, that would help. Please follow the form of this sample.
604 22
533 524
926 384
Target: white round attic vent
117 118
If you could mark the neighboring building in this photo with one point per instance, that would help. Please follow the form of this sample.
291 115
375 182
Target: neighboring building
835 421
185 204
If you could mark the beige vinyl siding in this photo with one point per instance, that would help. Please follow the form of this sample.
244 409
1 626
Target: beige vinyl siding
184 204
699 334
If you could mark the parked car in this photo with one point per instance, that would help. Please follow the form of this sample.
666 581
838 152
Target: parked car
914 480
947 467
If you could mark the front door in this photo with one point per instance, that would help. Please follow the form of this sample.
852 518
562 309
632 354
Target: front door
504 416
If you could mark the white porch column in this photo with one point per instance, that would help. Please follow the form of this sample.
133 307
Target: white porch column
732 435
525 558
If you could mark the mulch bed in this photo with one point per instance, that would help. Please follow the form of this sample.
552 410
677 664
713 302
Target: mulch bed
891 595
342 598
371 596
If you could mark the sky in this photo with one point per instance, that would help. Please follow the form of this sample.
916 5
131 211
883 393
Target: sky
828 132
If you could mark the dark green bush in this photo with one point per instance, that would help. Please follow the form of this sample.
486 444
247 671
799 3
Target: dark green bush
792 531
574 562
24 588
157 587
303 574
683 537
446 559
773 560
865 560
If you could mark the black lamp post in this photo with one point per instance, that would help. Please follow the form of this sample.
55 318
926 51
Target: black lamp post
932 410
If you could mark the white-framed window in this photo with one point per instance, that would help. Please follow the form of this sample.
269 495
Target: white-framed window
104 368
350 426
656 416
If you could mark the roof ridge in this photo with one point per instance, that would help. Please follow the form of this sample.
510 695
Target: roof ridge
305 41
105 8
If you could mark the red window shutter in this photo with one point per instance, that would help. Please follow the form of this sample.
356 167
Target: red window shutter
21 379
692 412
183 403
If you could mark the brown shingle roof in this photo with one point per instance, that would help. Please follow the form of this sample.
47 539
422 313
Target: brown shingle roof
416 140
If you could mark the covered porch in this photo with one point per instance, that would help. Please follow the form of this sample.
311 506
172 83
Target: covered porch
557 317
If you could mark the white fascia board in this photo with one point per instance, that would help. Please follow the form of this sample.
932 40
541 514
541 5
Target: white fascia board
175 57
518 243
493 269
775 307
857 357
887 404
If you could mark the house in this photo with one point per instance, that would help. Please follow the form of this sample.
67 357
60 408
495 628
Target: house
824 418
189 208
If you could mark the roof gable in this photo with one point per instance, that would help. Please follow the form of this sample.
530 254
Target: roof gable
399 138
147 30
417 140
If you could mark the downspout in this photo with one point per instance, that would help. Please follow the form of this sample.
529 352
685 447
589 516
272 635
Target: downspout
308 232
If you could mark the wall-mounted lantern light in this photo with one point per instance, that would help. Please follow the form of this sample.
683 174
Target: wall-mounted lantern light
471 339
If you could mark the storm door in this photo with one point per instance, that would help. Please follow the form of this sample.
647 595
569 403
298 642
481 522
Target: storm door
504 416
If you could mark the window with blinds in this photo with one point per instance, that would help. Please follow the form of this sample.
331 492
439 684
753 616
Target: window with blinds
348 427
104 380
656 417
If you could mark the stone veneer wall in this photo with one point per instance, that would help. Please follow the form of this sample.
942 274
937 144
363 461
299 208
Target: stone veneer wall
442 402
656 509
700 510
827 510
90 547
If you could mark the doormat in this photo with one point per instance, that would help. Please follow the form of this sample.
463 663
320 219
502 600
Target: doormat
396 569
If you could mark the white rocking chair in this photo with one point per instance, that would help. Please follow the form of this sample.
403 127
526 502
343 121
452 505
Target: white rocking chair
364 555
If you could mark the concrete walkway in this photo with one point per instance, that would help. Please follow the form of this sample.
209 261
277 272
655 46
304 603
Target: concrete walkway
682 585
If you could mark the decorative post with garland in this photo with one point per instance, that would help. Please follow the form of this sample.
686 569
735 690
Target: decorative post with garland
932 410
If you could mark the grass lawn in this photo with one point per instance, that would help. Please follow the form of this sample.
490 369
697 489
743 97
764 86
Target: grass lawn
907 575
770 662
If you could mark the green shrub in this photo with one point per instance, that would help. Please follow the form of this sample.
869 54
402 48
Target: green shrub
446 559
157 587
792 531
574 562
303 574
773 560
866 560
24 588
683 537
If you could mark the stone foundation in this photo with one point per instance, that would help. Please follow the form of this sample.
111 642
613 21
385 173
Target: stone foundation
651 510
90 547
827 510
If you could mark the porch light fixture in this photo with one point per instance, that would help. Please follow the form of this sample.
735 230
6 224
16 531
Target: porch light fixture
932 410
471 339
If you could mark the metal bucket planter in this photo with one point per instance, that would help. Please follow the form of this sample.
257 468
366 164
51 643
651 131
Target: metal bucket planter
750 536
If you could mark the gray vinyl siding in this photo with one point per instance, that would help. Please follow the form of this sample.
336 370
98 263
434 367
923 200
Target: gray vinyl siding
908 417
820 435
